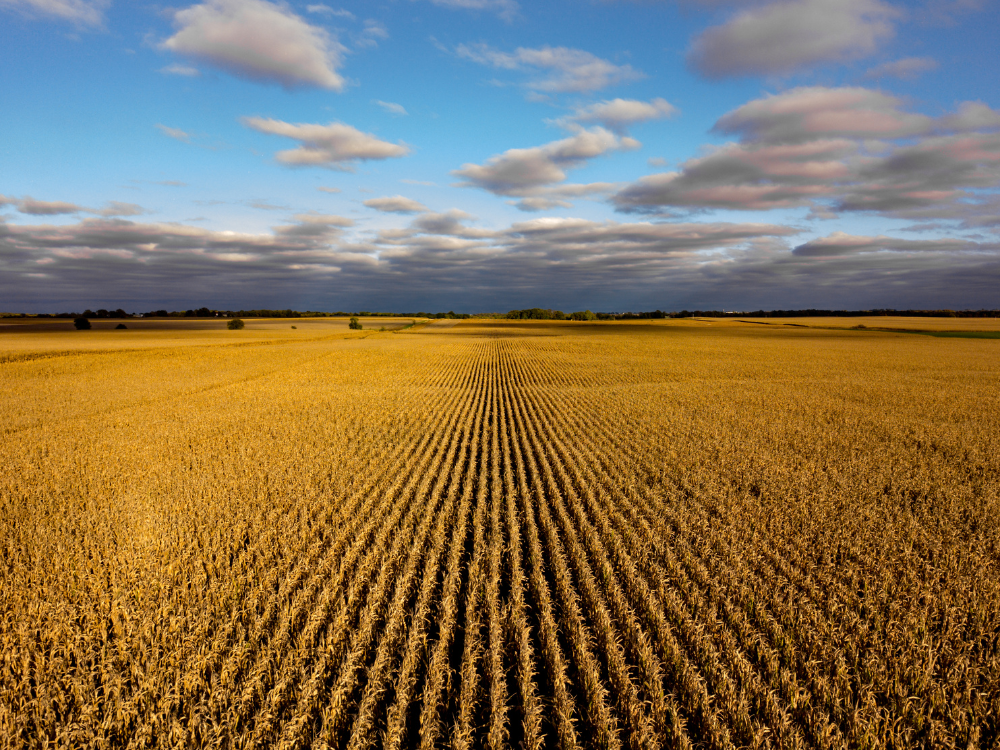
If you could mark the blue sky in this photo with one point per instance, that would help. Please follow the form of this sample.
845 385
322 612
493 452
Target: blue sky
484 155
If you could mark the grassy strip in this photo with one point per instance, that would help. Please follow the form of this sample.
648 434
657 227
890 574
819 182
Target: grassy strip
923 332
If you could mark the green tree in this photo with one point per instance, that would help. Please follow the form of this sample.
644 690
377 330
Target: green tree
355 324
82 324
235 324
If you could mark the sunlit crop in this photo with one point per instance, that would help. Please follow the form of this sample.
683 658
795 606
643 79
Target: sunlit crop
679 534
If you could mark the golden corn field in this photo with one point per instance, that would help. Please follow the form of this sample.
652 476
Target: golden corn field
676 534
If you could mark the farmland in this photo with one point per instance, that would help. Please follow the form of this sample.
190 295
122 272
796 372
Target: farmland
670 534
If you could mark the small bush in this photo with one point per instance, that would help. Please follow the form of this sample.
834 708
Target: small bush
294 327
82 324
235 324
355 324
121 327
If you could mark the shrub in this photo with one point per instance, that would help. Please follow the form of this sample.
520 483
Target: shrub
120 327
294 327
235 324
355 324
82 324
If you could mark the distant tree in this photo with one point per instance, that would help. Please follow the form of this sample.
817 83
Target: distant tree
234 324
583 315
82 324
120 327
355 324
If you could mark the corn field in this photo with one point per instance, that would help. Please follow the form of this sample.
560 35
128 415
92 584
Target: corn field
670 535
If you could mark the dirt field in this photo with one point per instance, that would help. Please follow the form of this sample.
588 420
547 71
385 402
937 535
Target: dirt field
676 534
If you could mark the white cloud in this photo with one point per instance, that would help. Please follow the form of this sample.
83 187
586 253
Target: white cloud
524 172
328 11
570 70
335 145
391 107
846 149
506 9
175 133
908 68
258 40
81 12
619 114
790 35
396 204
181 70
333 190
370 35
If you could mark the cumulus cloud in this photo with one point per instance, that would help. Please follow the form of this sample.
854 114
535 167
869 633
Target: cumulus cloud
907 68
844 149
620 114
79 12
335 146
789 35
809 113
258 40
391 107
525 172
396 204
568 70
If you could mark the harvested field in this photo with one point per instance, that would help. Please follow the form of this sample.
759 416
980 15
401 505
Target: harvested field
541 535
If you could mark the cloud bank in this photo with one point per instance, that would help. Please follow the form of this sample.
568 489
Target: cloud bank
836 149
325 262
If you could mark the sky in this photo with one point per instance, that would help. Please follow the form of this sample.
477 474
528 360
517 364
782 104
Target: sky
485 155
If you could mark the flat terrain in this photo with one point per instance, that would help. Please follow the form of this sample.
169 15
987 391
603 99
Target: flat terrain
676 534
